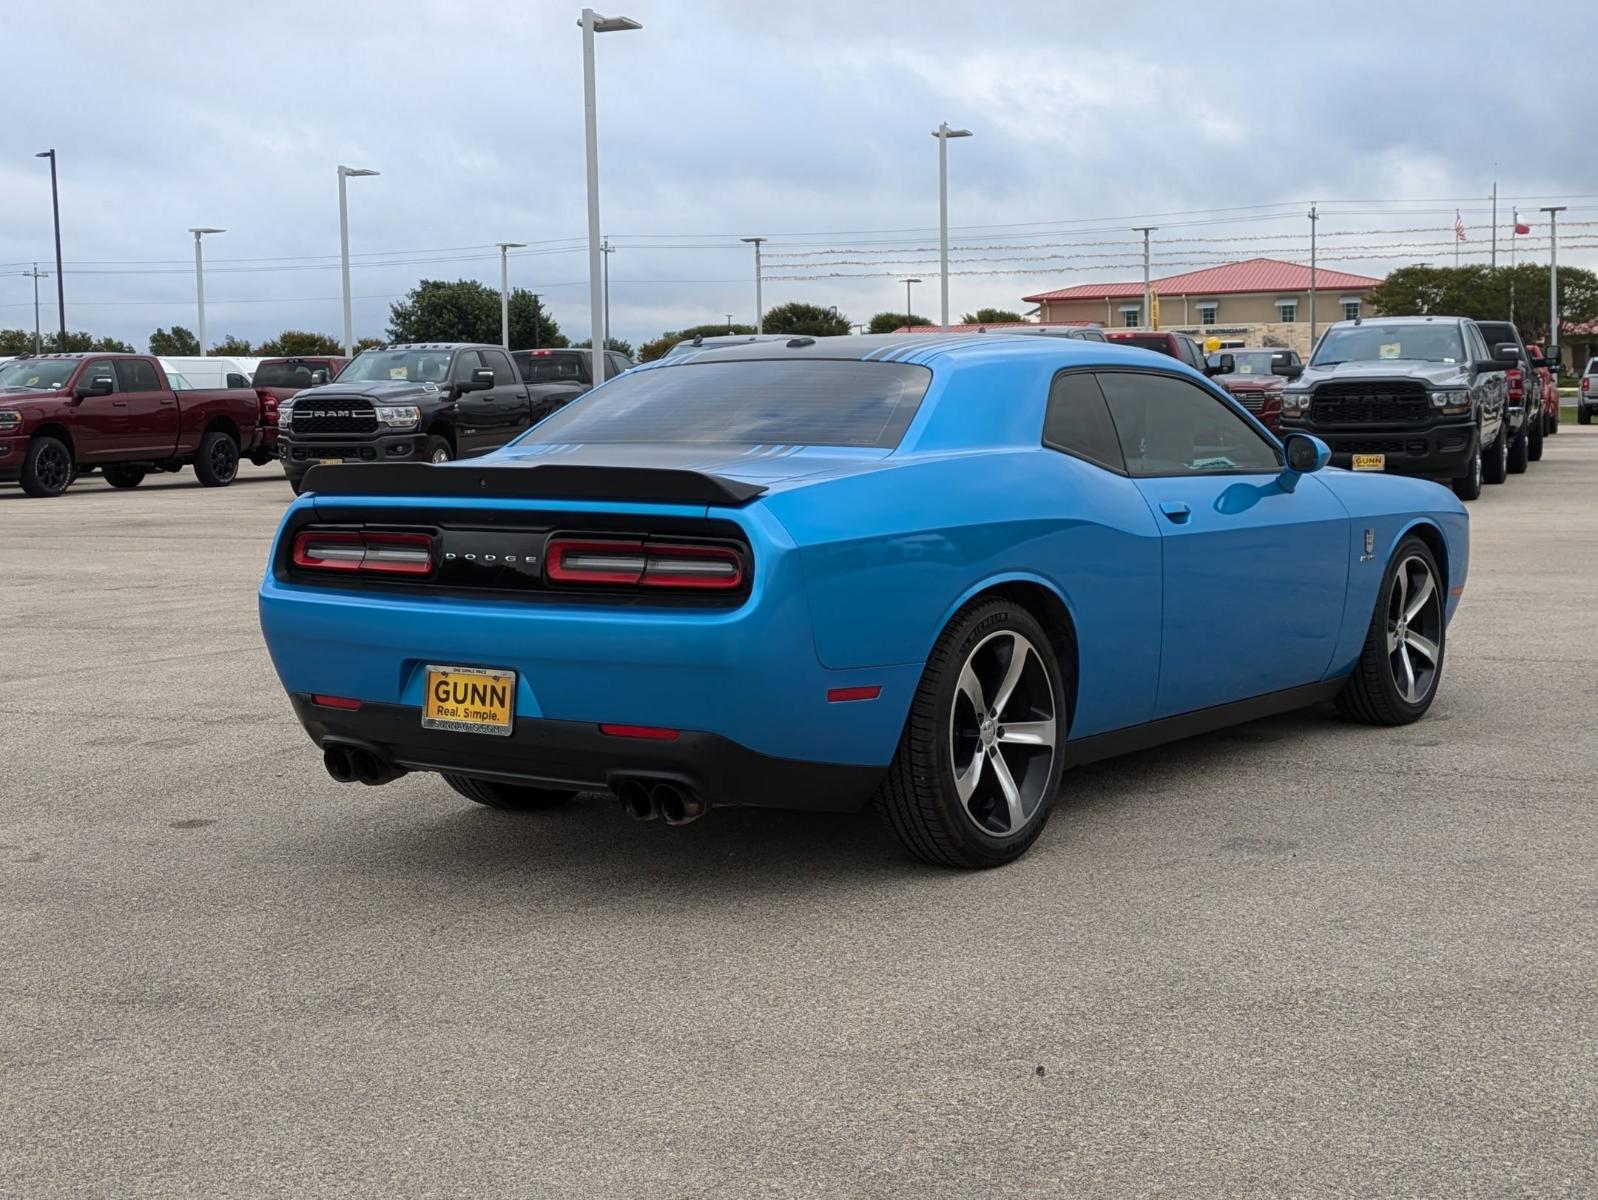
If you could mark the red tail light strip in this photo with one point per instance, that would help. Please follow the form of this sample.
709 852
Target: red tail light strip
343 702
367 552
648 733
844 695
650 564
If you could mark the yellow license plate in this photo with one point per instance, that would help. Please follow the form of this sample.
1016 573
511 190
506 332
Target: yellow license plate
1370 462
331 462
470 700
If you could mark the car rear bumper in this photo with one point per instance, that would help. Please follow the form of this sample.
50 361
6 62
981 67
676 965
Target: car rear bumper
579 755
300 454
1437 450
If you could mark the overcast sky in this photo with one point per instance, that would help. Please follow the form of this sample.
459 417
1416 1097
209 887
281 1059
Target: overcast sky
807 123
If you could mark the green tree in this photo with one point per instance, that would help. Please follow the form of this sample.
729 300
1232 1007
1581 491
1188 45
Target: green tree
18 341
656 348
467 311
887 322
292 342
808 319
991 316
616 344
231 345
1484 294
180 343
365 343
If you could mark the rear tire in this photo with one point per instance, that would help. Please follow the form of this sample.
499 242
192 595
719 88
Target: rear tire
1401 664
216 462
1534 441
123 475
47 467
508 797
1583 415
1552 422
1520 451
1495 458
979 761
1468 487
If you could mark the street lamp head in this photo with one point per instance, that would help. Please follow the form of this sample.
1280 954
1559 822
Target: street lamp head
943 131
352 172
198 232
511 245
608 24
45 154
909 281
754 240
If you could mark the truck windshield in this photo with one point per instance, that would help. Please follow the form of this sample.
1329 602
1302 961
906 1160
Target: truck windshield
36 374
819 402
1371 342
417 366
1249 362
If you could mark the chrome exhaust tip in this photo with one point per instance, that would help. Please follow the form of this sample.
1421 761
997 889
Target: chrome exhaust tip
637 800
678 806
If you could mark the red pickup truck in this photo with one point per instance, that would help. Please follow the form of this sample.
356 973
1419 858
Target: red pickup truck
117 412
280 379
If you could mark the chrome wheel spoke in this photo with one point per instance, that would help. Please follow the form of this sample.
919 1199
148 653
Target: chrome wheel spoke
1425 646
1423 593
971 687
1392 638
1011 793
1027 733
965 782
1012 673
1407 684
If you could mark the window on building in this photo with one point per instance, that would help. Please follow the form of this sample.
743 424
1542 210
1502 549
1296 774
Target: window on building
1208 312
1131 316
1351 310
1287 311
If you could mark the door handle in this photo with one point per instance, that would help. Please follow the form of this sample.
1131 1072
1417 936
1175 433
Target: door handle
119 404
1175 511
168 402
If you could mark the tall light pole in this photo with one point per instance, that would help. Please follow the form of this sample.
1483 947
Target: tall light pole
504 291
909 313
593 23
1553 278
38 337
607 249
760 312
943 133
1144 317
1314 218
60 283
344 251
199 279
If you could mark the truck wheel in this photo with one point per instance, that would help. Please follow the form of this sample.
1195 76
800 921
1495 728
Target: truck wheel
47 467
1495 458
1583 415
509 797
216 462
1520 452
1534 441
1553 421
436 450
979 762
1468 487
1396 676
123 475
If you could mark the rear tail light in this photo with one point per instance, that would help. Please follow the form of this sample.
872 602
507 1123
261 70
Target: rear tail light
268 408
1585 382
1517 383
643 563
364 552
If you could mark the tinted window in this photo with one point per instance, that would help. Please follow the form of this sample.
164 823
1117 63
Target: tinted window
102 368
466 362
1251 362
496 361
552 368
418 366
1168 426
1160 343
618 363
44 374
1079 423
287 374
819 402
136 375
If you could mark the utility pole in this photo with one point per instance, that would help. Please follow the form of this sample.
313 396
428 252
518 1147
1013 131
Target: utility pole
504 290
38 337
605 248
1553 276
909 312
1145 230
1314 217
60 283
760 312
1514 231
1493 261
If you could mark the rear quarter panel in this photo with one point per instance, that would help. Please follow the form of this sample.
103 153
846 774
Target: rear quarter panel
198 409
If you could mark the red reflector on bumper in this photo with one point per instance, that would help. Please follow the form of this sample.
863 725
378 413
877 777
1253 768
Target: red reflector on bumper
842 695
343 702
649 733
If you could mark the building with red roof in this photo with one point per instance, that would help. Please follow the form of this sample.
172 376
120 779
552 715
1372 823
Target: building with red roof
1235 301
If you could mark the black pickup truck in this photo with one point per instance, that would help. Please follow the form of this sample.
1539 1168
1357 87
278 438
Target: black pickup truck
1414 395
428 402
1524 397
555 378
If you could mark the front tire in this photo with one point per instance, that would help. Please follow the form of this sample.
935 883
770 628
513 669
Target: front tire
1534 441
1520 451
47 468
216 462
1495 458
1401 664
1583 415
437 450
979 762
508 797
123 475
1468 487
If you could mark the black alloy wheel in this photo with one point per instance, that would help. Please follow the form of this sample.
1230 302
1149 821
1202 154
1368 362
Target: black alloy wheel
46 467
216 462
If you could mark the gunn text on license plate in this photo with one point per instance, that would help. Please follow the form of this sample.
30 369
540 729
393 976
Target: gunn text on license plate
470 700
1370 462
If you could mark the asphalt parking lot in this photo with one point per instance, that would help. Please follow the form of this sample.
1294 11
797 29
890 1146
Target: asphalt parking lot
1299 958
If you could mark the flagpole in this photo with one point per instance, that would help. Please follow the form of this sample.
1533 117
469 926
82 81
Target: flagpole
1514 232
1457 220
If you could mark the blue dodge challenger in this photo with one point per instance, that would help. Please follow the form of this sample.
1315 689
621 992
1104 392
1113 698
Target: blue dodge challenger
925 572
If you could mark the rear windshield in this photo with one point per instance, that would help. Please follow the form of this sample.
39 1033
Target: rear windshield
1152 341
551 368
819 402
1372 342
288 374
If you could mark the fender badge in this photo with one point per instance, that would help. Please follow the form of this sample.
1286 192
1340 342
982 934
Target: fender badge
1370 546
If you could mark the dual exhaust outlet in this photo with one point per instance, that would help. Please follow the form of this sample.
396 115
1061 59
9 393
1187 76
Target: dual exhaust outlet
644 800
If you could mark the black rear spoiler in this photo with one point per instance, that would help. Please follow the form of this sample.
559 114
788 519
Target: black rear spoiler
548 481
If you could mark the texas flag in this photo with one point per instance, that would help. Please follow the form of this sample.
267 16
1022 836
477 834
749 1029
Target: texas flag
1522 227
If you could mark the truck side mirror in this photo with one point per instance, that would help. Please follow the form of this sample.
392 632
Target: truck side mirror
1507 352
318 377
482 379
1285 367
1224 364
100 385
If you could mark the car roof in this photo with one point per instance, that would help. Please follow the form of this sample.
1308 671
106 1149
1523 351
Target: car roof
437 346
1418 320
922 348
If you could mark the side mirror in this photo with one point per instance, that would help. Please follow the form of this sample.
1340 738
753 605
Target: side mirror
481 380
1280 365
100 385
1225 364
1507 352
318 377
1305 455
1487 365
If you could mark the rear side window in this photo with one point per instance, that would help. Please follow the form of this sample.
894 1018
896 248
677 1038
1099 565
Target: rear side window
500 365
1169 426
815 402
136 375
1160 343
1078 421
287 374
552 368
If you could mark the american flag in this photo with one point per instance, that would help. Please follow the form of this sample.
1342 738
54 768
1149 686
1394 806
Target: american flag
1459 226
